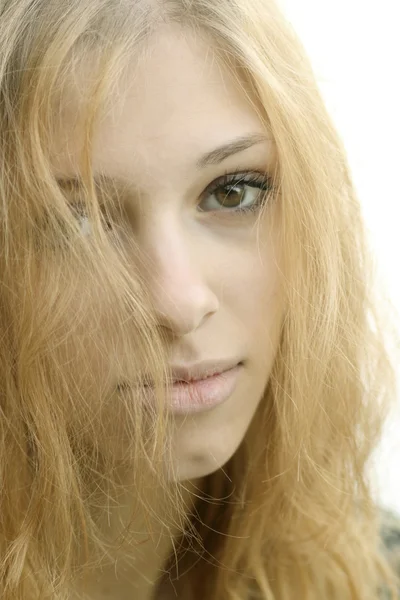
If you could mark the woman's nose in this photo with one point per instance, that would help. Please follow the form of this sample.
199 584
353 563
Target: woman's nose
177 273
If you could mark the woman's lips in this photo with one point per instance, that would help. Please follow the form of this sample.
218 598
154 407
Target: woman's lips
199 395
203 394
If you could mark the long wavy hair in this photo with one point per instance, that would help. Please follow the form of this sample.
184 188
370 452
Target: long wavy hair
291 515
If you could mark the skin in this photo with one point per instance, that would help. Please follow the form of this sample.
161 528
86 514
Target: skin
214 278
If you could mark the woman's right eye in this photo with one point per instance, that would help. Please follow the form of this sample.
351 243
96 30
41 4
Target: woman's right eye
72 192
80 212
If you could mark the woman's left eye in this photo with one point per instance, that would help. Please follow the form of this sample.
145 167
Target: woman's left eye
237 193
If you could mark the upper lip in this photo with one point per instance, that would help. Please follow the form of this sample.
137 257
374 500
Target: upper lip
201 370
191 372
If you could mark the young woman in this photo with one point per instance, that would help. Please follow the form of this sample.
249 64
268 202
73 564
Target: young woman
193 368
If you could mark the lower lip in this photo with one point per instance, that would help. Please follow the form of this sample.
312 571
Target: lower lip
202 395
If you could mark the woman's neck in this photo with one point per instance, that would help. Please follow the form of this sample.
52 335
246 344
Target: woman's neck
139 576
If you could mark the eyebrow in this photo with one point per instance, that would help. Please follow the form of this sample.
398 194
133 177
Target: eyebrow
214 157
233 147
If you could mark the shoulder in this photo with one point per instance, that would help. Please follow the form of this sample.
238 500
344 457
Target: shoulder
390 531
390 538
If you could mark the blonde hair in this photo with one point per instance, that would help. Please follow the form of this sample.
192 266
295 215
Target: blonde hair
294 517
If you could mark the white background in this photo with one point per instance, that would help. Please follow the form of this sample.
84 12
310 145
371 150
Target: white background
354 47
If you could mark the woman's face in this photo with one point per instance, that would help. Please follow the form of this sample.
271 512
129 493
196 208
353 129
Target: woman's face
211 271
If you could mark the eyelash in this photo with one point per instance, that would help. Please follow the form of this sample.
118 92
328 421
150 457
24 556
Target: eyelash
253 179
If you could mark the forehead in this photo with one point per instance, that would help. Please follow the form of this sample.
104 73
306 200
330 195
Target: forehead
177 101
